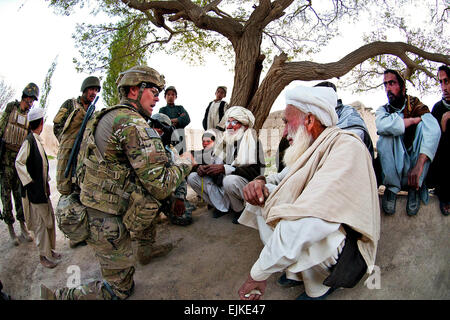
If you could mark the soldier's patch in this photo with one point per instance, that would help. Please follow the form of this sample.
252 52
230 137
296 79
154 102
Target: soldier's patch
152 133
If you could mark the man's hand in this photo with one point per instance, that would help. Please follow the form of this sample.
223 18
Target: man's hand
250 285
415 173
174 121
411 121
201 170
256 192
214 169
445 118
179 207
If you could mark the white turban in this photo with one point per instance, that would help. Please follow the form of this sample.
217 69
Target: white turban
242 115
319 101
35 114
247 153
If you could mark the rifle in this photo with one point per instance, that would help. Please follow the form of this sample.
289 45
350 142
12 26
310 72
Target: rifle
72 163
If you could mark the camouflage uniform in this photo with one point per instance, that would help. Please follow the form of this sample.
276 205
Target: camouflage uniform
122 169
9 179
66 125
63 114
59 122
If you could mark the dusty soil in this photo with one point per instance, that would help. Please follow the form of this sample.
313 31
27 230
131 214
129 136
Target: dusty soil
213 257
210 261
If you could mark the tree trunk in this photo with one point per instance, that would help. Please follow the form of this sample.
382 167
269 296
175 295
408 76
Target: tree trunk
268 91
247 68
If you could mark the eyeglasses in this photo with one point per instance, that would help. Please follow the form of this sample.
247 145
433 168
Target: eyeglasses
233 123
154 91
151 87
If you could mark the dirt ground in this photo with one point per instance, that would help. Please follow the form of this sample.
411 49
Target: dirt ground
213 257
211 260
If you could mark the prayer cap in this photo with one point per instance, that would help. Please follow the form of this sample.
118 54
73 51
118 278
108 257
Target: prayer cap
242 115
223 88
209 134
35 114
319 101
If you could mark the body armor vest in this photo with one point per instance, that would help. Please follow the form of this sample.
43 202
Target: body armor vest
104 186
16 130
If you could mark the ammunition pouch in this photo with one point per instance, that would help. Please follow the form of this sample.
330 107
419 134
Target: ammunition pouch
72 217
142 210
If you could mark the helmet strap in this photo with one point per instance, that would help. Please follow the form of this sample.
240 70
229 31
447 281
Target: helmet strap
137 102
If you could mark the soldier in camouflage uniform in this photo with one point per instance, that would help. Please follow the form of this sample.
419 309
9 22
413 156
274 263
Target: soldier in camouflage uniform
66 125
89 89
176 207
123 174
13 131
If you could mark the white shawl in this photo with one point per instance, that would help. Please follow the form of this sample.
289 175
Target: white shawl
334 181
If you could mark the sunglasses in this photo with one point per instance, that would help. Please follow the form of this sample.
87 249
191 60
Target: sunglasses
233 123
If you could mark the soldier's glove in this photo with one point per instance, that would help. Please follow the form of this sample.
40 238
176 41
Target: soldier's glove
179 208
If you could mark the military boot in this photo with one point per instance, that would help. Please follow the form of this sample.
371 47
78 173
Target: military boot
25 234
12 234
74 244
146 252
47 294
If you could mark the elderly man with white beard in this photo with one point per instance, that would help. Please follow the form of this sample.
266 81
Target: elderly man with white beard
319 218
237 159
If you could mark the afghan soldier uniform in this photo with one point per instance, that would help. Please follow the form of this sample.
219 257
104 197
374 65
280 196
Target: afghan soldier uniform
13 131
66 125
13 126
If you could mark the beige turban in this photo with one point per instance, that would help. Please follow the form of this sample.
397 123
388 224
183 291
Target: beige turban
319 101
242 115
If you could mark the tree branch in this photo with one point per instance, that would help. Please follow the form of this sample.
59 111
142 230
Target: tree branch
319 71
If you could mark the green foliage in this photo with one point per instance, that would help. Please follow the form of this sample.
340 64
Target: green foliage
6 93
47 86
126 49
301 31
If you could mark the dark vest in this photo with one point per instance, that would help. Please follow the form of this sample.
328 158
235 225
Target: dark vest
221 114
36 189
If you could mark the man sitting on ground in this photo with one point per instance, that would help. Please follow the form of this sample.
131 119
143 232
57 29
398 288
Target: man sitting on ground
239 158
319 218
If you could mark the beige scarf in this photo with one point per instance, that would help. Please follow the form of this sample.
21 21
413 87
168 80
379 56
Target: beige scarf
334 181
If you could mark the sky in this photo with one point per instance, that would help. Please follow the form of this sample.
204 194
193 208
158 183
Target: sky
33 35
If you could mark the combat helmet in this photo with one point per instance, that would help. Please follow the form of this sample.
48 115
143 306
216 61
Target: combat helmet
143 77
31 90
162 118
140 74
162 121
91 81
